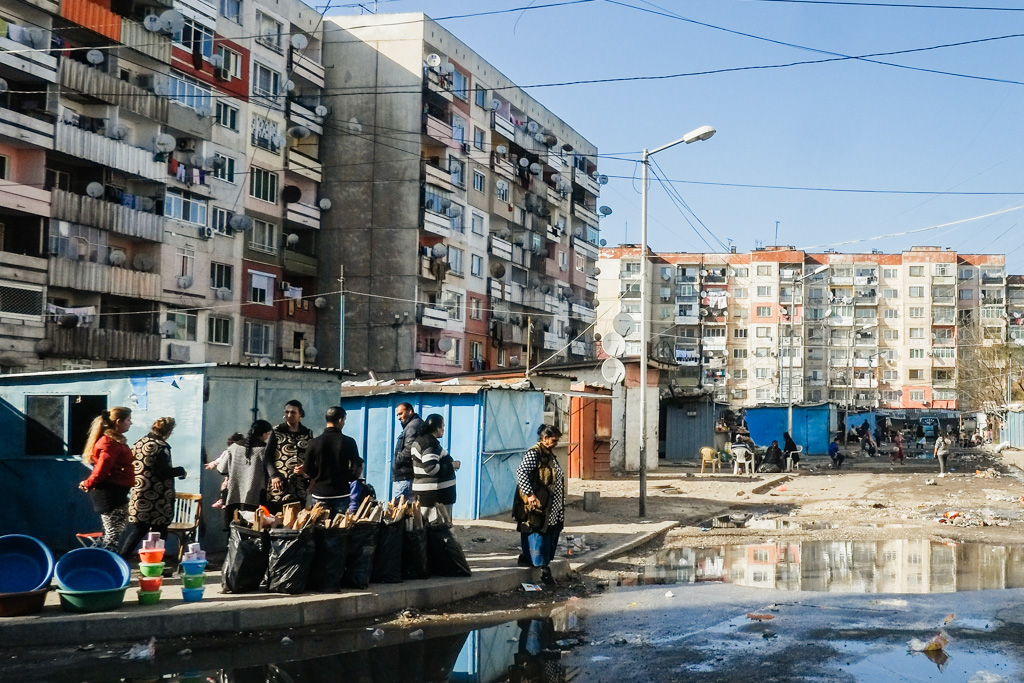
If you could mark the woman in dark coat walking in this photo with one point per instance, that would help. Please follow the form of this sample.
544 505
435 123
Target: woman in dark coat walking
151 507
433 472
539 506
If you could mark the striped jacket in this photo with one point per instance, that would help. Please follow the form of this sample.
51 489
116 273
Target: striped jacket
433 473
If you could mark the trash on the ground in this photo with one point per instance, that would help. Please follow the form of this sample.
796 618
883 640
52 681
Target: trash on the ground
939 641
760 617
416 635
185 653
481 539
781 487
410 614
987 677
378 634
632 604
670 594
86 648
768 634
950 618
142 650
929 482
286 641
531 587
567 643
600 658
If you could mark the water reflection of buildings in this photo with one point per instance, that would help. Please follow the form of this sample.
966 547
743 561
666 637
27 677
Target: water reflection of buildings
894 566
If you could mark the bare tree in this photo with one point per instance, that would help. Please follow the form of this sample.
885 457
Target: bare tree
984 365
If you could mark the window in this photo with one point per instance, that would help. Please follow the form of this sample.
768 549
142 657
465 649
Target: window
739 333
455 260
231 9
265 134
455 307
478 223
227 171
189 92
4 166
266 82
259 338
742 272
232 62
739 293
263 184
762 351
184 325
890 375
193 32
916 312
261 288
762 373
501 188
220 276
739 353
890 272
966 273
890 335
764 311
916 271
917 374
863 313
475 309
764 332
460 85
764 291
478 181
458 129
593 234
227 115
966 294
916 354
739 374
940 352
56 425
476 265
712 332
891 314
478 138
21 301
916 292
888 354
185 207
764 270
916 395
890 294
264 236
455 213
186 260
763 395
917 333
218 330
55 180
219 218
457 170
268 31
480 96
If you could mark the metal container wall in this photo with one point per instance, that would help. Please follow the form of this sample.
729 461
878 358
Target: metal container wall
810 426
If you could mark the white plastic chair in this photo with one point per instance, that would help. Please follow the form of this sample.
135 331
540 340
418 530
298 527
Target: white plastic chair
742 456
790 465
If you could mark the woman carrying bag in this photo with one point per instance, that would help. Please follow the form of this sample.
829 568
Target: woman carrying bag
539 506
113 474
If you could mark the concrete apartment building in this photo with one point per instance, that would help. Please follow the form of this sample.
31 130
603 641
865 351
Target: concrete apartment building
469 236
159 174
861 330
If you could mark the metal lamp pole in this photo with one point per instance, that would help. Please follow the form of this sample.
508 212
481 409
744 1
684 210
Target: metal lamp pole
702 133
792 314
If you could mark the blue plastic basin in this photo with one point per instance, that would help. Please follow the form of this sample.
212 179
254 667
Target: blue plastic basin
91 569
26 564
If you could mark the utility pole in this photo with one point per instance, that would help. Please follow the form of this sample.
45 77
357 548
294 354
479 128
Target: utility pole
341 318
529 342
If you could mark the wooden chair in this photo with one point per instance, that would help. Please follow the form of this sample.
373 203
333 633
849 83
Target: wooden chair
188 513
790 465
710 455
742 457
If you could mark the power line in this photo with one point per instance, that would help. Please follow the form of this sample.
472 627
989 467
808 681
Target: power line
891 5
851 190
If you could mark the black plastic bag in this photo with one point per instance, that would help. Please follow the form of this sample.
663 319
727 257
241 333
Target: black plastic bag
362 544
331 553
387 562
291 557
444 552
414 551
246 562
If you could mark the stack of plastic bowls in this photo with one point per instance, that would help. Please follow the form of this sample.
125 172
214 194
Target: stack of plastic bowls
193 580
151 567
26 567
91 580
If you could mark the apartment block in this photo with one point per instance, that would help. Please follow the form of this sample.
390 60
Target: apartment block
779 324
470 238
159 181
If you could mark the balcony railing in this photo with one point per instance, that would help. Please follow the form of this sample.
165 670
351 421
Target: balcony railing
584 313
24 198
155 45
300 264
93 17
585 181
582 348
99 213
100 344
88 79
502 125
437 129
307 68
97 277
306 215
302 115
26 129
304 165
106 152
25 59
503 167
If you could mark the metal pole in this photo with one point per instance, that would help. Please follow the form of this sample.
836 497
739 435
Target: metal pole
792 314
643 334
341 318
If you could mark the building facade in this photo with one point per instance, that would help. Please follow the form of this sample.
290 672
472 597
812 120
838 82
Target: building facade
779 324
469 238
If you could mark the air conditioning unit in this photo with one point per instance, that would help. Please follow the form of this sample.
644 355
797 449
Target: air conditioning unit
222 74
284 286
186 144
466 147
205 232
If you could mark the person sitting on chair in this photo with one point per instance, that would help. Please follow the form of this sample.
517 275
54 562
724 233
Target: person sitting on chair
773 459
789 448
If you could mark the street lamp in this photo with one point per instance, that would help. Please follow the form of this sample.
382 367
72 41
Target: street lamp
792 314
696 135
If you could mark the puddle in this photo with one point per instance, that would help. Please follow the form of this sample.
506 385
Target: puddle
893 566
892 662
747 521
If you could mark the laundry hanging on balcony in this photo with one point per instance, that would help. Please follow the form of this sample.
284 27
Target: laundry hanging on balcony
85 314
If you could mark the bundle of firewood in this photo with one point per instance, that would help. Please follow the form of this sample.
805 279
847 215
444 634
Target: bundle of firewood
293 516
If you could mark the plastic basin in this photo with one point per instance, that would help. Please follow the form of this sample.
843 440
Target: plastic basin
151 570
151 583
151 556
193 567
149 597
193 580
26 564
91 569
92 601
20 604
192 594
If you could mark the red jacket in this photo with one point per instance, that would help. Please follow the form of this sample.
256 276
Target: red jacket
112 463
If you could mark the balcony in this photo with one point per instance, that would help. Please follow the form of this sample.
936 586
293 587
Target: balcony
687 320
438 84
591 284
941 299
501 248
307 68
95 83
584 313
713 343
990 300
503 167
441 177
554 159
188 121
942 361
554 196
585 181
301 115
106 152
100 344
26 129
154 45
552 342
28 61
305 215
503 126
436 223
582 348
437 129
943 320
93 17
943 279
434 317
51 6
584 213
433 363
299 264
304 165
512 333
24 198
97 277
841 280
993 279
100 213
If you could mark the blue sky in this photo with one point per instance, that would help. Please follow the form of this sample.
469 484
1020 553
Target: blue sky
847 125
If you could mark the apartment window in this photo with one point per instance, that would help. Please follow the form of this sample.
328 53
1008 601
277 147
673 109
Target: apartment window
478 138
460 85
739 293
189 92
268 31
916 271
762 373
593 234
890 272
458 129
231 9
764 311
739 353
890 294
184 325
455 260
764 270
890 335
475 309
916 292
219 220
888 354
266 82
916 354
916 312
192 33
21 301
220 276
917 374
501 188
763 395
764 291
890 375
227 171
476 265
185 207
265 134
864 313
264 236
741 272
457 169
947 352
764 332
55 180
891 314
580 263
480 96
455 309
186 260
478 181
227 115
966 294
232 62
261 288
263 184
943 269
917 333
218 330
966 273
916 395
739 333
259 339
456 213
713 332
4 166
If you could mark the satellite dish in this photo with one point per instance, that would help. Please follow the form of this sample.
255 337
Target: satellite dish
539 137
448 68
69 320
325 204
263 362
433 60
142 262
613 370
321 111
622 323
94 190
172 21
311 352
501 149
289 85
223 293
240 222
291 194
197 160
299 41
168 328
217 61
546 289
118 131
37 38
445 344
146 203
217 162
161 86
164 143
532 126
292 239
185 281
504 233
497 270
278 140
299 132
605 211
354 126
94 57
152 23
320 302
602 179
536 169
117 257
604 243
613 344
439 250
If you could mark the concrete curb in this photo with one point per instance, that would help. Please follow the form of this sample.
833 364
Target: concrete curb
624 547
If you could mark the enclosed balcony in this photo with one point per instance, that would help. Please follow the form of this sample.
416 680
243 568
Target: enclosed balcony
585 181
503 125
301 115
304 215
98 277
306 68
100 213
503 167
107 152
101 344
299 264
25 130
304 165
23 199
23 59
89 80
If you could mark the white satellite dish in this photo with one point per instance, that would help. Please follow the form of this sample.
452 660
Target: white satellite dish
164 143
321 111
536 169
501 149
622 323
613 370
152 23
524 162
94 57
439 251
240 223
299 132
614 345
3 85
448 68
292 239
495 105
299 41
325 204
172 21
118 131
532 126
289 85
263 362
433 60
94 190
117 257
217 61
168 328
444 344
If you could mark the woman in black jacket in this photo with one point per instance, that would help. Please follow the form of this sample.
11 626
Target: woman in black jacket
433 472
539 506
151 507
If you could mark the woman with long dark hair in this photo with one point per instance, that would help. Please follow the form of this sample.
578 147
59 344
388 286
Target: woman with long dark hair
245 464
433 472
539 506
151 507
113 475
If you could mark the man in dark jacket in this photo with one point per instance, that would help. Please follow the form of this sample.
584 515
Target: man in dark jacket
401 468
333 466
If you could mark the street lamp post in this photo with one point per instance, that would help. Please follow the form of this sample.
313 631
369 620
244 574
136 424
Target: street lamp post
702 133
789 340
